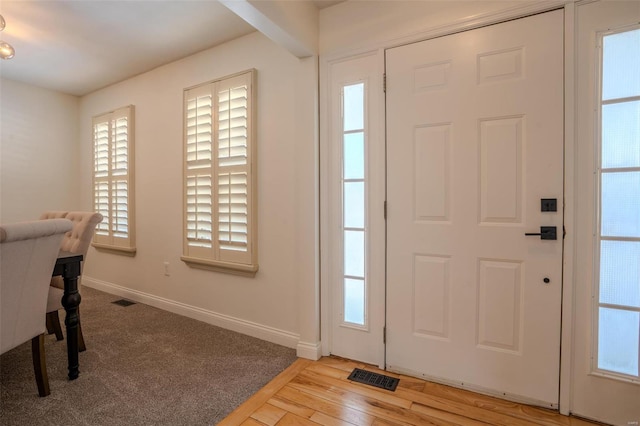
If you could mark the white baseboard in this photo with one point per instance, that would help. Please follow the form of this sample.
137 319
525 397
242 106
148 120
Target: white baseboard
309 350
269 334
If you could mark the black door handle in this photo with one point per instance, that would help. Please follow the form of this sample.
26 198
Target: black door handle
546 233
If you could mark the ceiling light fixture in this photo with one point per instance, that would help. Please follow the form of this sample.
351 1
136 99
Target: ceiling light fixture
6 50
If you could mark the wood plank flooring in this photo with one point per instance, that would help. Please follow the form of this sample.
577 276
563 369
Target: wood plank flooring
318 393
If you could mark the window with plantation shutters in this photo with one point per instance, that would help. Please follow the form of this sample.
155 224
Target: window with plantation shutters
219 167
113 179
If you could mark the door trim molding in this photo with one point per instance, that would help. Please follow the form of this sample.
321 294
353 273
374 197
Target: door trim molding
457 26
568 243
481 20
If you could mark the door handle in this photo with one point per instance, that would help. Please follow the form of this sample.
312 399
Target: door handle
546 233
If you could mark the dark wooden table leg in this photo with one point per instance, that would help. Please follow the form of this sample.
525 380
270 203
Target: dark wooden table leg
71 301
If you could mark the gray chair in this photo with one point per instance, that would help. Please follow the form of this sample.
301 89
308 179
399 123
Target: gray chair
28 252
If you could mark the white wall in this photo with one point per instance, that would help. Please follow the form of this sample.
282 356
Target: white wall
272 304
38 151
307 206
354 25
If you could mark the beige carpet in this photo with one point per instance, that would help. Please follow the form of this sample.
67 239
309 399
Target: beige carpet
143 366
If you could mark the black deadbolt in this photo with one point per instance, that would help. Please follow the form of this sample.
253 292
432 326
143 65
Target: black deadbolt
549 205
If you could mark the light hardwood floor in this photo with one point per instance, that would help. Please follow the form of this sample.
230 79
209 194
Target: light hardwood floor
318 392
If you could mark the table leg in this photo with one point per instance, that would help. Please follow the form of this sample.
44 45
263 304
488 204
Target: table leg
71 301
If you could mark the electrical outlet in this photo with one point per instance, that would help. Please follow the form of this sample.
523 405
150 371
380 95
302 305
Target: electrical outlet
166 269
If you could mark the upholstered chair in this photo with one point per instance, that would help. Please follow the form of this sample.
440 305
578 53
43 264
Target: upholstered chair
28 252
77 241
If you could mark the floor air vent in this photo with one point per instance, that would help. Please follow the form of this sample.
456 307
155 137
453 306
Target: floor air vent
124 302
374 379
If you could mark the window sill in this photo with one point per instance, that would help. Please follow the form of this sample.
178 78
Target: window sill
219 266
125 251
615 376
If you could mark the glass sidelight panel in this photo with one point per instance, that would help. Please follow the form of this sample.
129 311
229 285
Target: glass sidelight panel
620 273
618 341
354 205
354 155
621 204
618 308
354 187
353 300
354 253
353 107
621 135
621 65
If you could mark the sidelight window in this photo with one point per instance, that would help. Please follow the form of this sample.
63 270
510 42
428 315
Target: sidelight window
618 296
353 204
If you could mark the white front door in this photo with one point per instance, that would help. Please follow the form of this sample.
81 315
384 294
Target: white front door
606 329
474 144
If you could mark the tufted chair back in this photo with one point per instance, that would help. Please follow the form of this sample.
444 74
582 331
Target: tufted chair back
28 252
84 225
79 238
53 215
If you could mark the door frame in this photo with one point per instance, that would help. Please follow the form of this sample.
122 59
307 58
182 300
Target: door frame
326 99
347 72
593 21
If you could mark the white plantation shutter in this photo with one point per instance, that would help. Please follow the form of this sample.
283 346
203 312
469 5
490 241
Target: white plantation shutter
101 175
113 179
120 208
199 131
232 167
219 175
232 211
